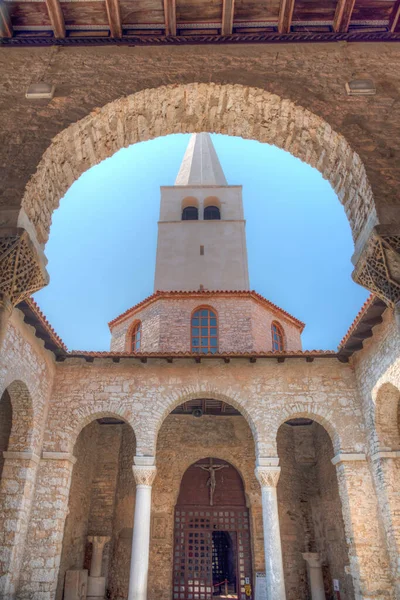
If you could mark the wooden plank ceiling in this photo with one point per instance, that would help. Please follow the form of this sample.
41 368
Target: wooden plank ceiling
191 21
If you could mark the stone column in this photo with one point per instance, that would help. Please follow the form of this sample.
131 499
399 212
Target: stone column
16 497
314 568
386 471
22 271
98 542
268 477
144 472
368 556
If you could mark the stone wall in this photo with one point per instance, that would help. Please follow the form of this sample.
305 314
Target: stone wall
244 325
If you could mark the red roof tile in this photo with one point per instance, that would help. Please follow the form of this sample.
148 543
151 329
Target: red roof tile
358 318
204 293
43 320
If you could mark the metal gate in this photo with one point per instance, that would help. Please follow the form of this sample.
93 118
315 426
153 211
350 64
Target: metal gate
193 552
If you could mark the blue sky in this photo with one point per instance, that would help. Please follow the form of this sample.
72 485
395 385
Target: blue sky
103 238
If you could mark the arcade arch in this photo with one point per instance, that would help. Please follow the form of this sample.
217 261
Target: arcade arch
310 510
98 516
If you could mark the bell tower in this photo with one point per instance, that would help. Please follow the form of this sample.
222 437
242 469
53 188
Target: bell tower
201 232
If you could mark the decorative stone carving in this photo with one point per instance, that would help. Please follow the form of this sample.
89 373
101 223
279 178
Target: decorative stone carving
22 271
378 266
268 476
144 475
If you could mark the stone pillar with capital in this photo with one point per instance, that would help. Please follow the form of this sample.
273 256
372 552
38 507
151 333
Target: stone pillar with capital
268 477
368 556
386 472
22 271
314 568
144 472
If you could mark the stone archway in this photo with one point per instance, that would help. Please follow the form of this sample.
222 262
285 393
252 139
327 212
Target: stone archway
235 110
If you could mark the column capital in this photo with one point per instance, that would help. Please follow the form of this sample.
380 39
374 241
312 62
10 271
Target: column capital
348 457
23 455
22 266
59 456
98 540
313 559
144 475
268 476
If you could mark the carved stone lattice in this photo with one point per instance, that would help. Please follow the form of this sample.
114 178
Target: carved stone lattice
268 476
21 270
144 475
378 268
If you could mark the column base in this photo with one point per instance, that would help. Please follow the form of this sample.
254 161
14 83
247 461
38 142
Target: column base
96 587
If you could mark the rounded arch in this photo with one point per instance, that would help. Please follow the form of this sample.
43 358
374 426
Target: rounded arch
23 422
347 439
147 443
62 438
236 110
212 201
190 201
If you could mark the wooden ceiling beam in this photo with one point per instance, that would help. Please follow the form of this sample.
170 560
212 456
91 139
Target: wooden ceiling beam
114 18
6 28
342 18
170 17
394 18
56 18
227 17
285 15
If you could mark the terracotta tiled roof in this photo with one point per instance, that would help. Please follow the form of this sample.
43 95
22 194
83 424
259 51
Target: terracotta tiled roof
202 294
358 318
33 306
145 355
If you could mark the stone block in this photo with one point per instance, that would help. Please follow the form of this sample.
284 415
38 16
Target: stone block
96 587
75 587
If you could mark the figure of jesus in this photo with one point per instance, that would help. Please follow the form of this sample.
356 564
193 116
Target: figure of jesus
212 482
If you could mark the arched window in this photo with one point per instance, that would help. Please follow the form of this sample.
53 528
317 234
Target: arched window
204 335
136 336
277 338
190 213
212 213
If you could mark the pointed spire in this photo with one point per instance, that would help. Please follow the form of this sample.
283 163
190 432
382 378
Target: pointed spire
200 165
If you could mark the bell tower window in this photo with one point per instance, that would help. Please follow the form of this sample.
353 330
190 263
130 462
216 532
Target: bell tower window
212 213
190 213
204 331
277 338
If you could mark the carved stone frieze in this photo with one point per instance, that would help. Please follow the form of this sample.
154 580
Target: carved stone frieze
268 476
144 475
378 267
22 271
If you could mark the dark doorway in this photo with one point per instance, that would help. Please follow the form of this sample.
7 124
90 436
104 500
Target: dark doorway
212 555
224 553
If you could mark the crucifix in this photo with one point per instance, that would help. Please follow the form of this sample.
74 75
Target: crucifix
212 482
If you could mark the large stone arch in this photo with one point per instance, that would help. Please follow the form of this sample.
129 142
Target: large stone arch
235 110
147 435
64 429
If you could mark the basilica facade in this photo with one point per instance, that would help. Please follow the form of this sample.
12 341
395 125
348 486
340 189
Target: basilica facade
206 455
